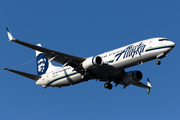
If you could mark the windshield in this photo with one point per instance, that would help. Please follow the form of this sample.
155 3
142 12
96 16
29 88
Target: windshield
163 40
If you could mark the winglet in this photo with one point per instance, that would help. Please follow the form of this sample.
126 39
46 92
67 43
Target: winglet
9 35
149 85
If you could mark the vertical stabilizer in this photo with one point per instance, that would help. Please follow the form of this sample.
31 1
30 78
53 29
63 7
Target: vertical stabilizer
43 63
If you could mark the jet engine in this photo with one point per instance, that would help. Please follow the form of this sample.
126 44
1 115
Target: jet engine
132 76
92 62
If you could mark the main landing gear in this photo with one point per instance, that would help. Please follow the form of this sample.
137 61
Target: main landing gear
108 86
158 62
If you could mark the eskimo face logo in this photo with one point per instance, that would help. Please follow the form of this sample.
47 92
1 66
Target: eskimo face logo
42 64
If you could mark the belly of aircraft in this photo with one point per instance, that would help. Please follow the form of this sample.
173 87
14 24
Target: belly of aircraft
67 81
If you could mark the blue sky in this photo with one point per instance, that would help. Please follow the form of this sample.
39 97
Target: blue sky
86 28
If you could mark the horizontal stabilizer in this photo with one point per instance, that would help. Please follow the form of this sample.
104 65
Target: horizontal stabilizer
28 75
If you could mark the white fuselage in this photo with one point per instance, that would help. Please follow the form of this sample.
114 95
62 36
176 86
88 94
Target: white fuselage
114 60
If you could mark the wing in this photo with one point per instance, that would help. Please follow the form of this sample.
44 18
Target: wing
118 79
139 84
148 86
59 57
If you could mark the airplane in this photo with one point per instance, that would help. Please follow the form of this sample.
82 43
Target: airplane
106 67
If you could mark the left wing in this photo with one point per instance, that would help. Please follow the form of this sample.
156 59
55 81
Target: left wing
59 57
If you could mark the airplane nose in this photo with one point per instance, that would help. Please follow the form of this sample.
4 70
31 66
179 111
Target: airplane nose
172 43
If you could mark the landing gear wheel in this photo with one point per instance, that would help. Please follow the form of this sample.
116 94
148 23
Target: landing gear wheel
108 85
158 62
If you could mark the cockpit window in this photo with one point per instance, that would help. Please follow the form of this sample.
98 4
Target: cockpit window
163 40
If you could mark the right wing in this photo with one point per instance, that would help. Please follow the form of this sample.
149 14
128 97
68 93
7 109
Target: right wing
59 57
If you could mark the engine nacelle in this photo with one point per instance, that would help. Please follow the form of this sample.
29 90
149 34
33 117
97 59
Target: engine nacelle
132 76
92 62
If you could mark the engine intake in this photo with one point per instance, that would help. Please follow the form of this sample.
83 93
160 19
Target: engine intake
132 76
92 62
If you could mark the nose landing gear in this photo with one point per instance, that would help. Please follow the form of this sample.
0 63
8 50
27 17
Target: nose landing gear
162 55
